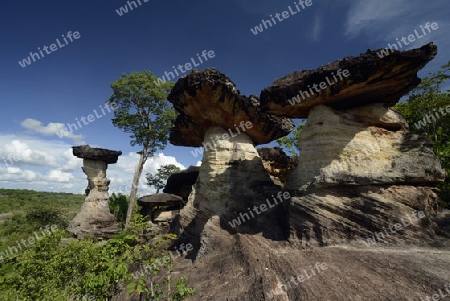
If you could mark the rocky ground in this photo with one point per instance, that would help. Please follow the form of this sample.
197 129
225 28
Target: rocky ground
248 267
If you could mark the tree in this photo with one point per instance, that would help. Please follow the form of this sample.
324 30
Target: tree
290 142
141 109
163 173
426 111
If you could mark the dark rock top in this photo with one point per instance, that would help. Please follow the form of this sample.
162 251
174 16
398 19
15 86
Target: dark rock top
161 199
209 98
181 183
276 154
368 79
101 154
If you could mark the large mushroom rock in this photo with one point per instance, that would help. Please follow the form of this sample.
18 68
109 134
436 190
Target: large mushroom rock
351 82
209 98
231 182
232 179
277 163
356 150
94 218
180 183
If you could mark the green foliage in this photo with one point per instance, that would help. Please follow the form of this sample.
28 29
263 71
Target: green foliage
142 110
56 268
151 257
290 142
48 270
118 206
427 99
46 215
163 173
14 200
22 226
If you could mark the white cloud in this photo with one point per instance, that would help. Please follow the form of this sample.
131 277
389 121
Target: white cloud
72 162
316 29
13 170
385 20
44 165
57 175
369 14
50 129
17 152
121 174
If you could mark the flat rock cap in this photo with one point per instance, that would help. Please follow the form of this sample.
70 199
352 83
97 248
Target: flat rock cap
367 79
161 198
209 98
100 154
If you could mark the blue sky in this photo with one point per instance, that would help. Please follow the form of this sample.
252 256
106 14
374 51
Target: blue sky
74 80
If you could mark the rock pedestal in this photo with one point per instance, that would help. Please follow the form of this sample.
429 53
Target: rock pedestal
361 171
94 218
232 180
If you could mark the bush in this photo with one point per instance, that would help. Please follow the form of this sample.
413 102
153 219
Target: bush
118 206
45 215
47 270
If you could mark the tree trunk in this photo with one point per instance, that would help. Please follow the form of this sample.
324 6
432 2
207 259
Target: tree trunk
134 186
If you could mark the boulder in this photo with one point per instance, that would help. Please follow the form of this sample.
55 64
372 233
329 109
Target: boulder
363 180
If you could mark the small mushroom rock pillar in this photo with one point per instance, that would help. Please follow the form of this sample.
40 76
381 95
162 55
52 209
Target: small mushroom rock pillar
94 218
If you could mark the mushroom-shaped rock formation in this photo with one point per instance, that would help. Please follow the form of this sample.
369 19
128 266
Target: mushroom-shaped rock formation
360 169
94 218
209 98
353 81
96 154
232 178
149 202
366 178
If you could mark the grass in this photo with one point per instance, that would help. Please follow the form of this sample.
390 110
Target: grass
17 200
